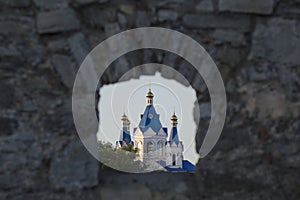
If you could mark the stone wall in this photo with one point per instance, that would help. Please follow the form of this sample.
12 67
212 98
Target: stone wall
255 44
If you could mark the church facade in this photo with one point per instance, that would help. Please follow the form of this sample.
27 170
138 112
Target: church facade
153 141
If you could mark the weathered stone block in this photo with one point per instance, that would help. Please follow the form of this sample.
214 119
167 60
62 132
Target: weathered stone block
122 20
8 51
65 68
276 40
167 15
205 110
131 191
84 2
264 102
7 126
127 9
205 6
57 21
198 83
111 29
51 3
14 3
79 47
74 168
7 91
230 56
216 21
57 45
97 16
142 19
247 6
16 25
234 37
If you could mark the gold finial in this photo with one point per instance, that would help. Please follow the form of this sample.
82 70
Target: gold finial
149 93
174 117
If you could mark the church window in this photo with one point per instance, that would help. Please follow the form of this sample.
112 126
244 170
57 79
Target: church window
160 145
149 147
174 159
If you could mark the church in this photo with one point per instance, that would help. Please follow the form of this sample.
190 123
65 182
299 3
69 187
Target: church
153 141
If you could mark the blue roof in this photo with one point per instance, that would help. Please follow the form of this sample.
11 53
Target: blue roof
125 136
150 119
186 166
174 135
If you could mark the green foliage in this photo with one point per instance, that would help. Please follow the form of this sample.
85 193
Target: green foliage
123 158
130 148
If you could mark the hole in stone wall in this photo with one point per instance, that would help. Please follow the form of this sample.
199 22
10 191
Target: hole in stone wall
129 97
121 73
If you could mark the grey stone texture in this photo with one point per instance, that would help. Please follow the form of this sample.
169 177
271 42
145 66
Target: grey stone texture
65 68
51 4
167 15
269 43
81 171
11 24
79 47
255 44
233 37
198 21
247 6
98 16
86 2
205 6
56 21
15 3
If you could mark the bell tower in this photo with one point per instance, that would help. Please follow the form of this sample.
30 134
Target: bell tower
149 98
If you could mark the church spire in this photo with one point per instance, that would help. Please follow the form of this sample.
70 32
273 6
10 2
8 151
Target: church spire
125 132
149 98
125 121
174 119
174 132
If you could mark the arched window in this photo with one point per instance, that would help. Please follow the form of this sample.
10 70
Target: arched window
160 146
149 147
174 159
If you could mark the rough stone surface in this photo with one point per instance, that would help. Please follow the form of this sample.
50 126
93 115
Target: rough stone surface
74 169
57 21
255 45
205 110
16 25
7 91
205 6
84 2
132 191
247 6
65 68
15 3
57 45
7 126
235 38
79 47
111 29
51 4
216 21
142 19
268 42
96 16
167 15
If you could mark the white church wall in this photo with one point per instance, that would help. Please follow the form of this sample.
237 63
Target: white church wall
176 150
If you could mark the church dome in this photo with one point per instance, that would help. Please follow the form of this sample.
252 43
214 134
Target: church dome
149 94
124 117
174 117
